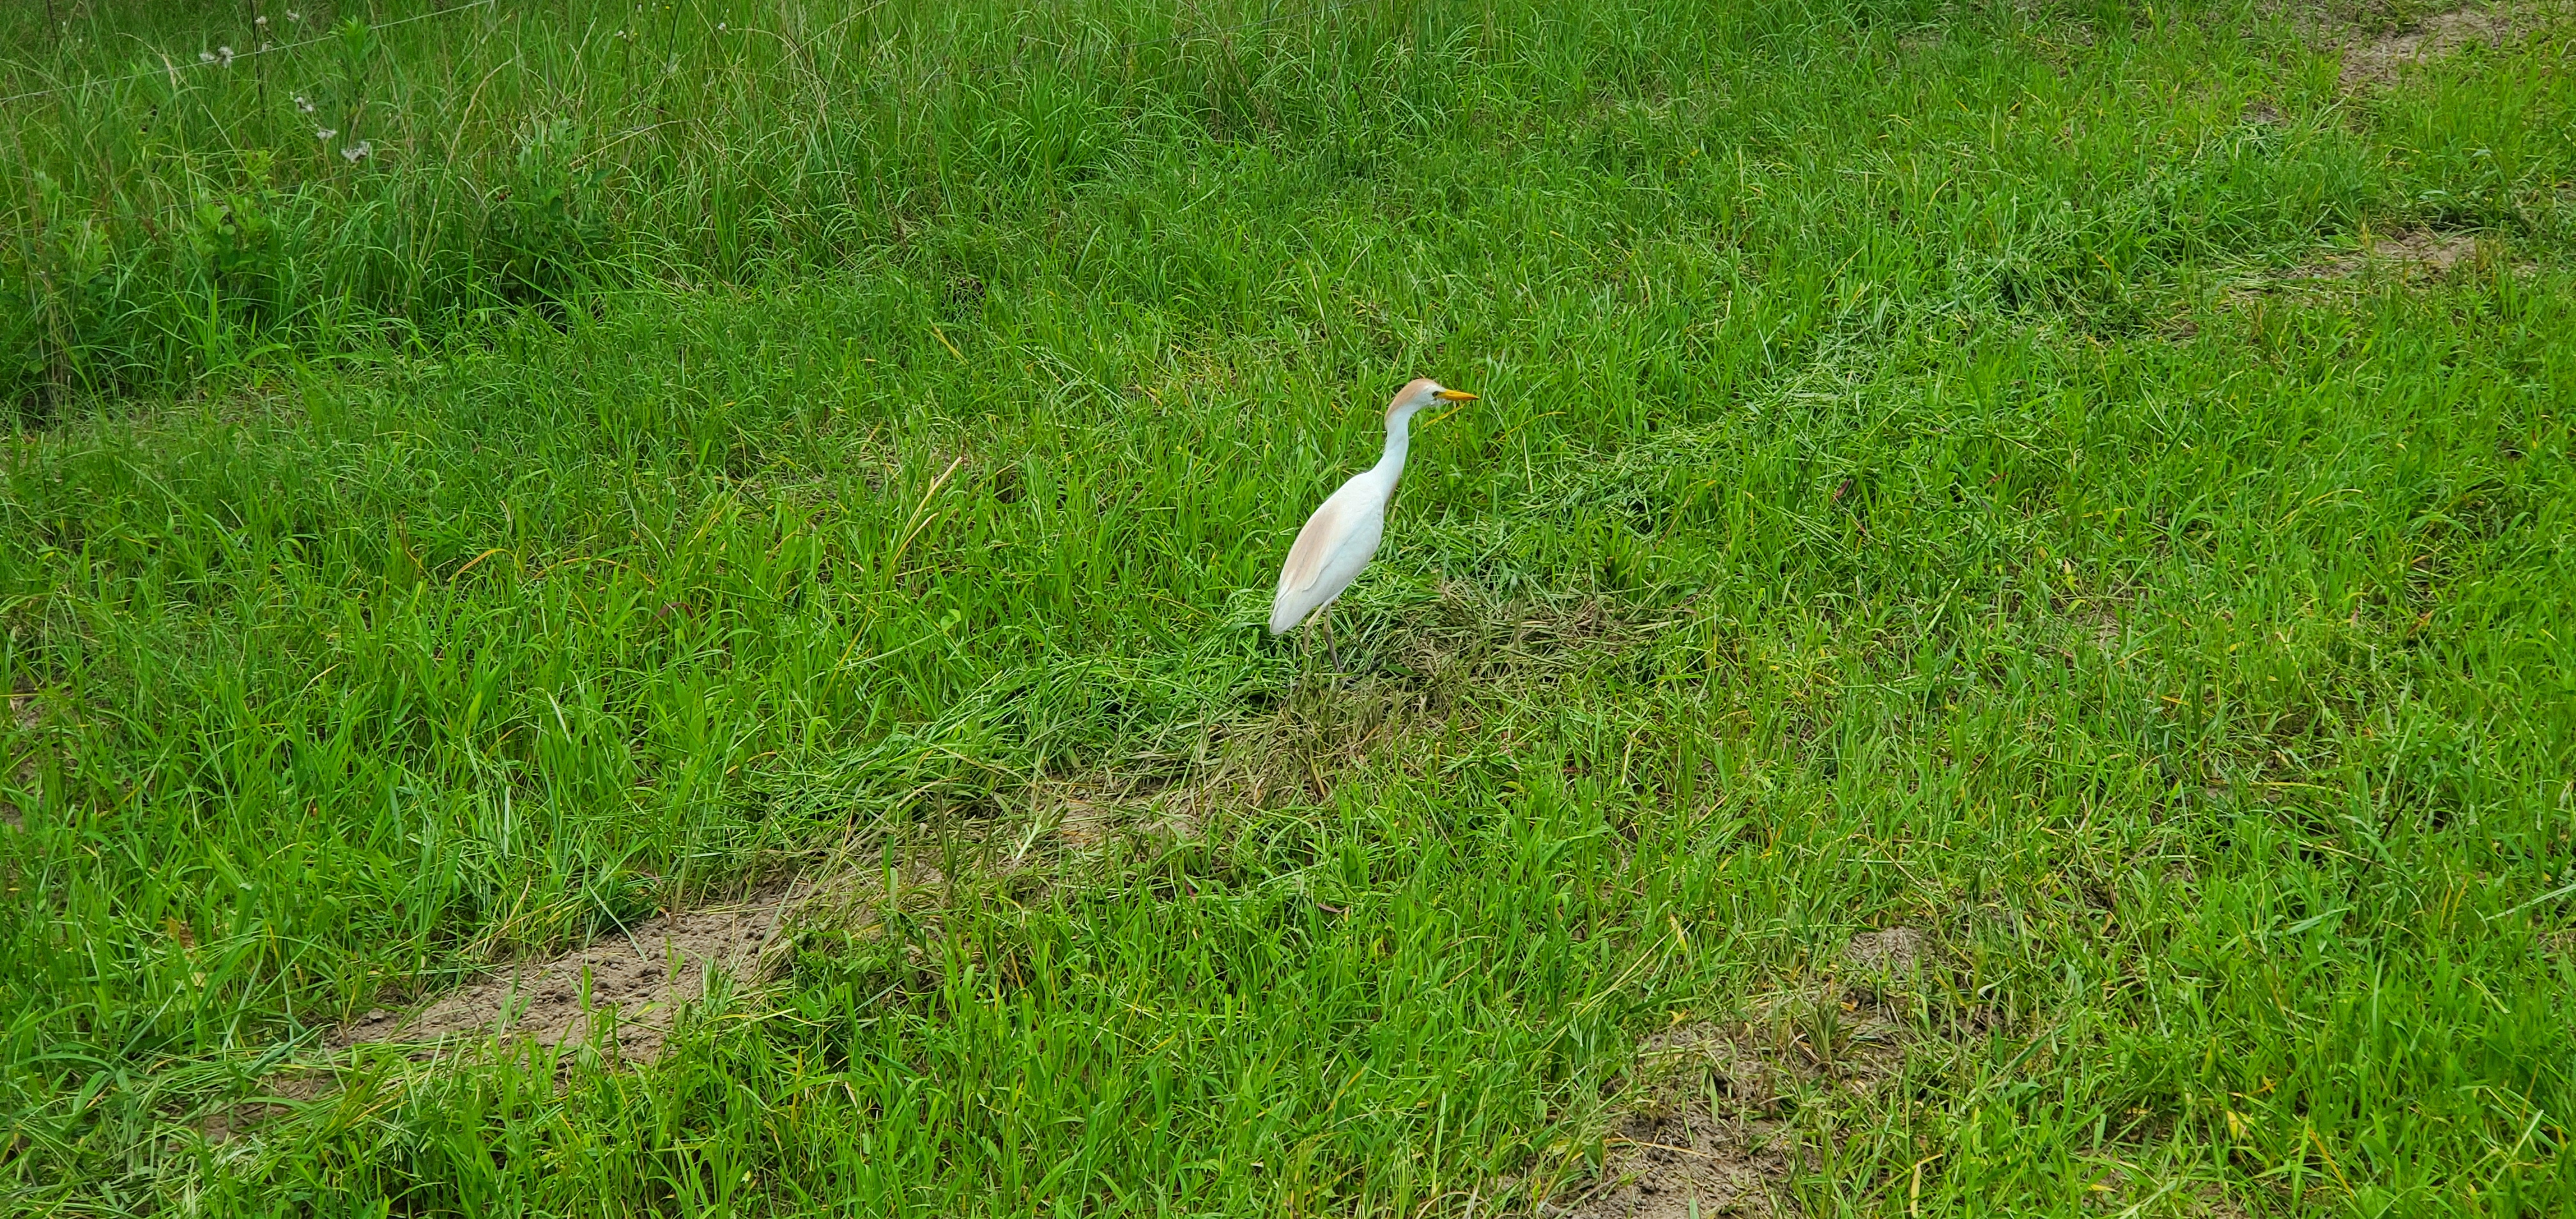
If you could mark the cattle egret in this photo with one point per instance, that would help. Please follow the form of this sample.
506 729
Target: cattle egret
1342 536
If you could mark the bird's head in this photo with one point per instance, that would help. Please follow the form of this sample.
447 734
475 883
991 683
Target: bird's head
1419 393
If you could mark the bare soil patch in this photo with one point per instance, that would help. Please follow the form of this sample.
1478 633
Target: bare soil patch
638 978
1724 1113
1712 1127
2374 62
1419 666
1090 812
643 976
2408 252
227 1122
1896 951
1168 814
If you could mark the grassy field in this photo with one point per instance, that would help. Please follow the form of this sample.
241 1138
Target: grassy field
1998 641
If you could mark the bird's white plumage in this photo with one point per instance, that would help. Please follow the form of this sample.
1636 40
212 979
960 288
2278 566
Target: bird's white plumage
1336 543
1340 539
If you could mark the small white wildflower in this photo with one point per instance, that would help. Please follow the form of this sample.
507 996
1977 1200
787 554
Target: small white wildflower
303 103
720 27
262 19
357 152
292 15
205 57
324 133
226 53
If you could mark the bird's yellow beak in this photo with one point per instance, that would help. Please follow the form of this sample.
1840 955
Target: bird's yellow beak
1454 395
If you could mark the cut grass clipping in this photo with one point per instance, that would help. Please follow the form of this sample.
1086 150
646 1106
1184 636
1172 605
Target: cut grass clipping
626 610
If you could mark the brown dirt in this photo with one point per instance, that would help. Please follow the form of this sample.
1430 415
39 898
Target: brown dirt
2374 62
1712 1125
2410 252
1424 669
1897 951
1716 1120
2106 633
644 975
1090 814
2215 1203
231 1121
225 1124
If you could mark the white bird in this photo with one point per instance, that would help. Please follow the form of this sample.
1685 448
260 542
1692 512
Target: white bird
1343 535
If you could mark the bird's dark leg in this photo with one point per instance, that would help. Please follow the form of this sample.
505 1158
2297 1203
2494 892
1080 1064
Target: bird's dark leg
1331 648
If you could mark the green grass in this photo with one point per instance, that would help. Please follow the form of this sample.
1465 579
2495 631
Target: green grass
1909 488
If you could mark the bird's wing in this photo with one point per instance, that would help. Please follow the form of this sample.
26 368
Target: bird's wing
1316 543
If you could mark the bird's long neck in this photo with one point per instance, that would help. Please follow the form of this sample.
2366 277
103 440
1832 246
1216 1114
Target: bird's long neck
1399 437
